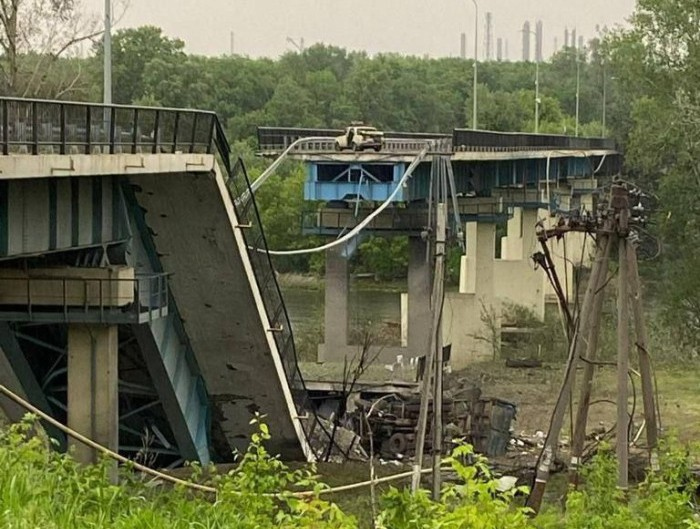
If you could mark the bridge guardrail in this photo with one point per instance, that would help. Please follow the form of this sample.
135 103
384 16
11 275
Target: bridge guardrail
30 126
467 140
243 198
143 298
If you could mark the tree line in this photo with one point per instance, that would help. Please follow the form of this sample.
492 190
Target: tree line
644 78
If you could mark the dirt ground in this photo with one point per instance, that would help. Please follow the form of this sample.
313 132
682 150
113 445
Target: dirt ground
534 391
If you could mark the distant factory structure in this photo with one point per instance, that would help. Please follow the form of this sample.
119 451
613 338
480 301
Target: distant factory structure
526 41
495 46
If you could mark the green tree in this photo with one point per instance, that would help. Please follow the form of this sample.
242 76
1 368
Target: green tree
657 64
132 51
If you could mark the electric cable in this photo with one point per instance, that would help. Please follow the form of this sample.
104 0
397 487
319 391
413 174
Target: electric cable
181 482
357 229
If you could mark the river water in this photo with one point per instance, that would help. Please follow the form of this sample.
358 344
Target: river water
379 310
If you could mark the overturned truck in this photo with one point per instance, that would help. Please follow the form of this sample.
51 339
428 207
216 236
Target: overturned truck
390 423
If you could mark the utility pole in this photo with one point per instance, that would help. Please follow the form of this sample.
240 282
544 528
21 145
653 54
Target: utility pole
107 51
605 96
432 375
438 292
537 97
233 42
614 230
623 343
538 56
475 122
578 89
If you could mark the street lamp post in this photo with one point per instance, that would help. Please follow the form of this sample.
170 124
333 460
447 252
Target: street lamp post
605 97
537 89
475 122
537 95
578 89
107 50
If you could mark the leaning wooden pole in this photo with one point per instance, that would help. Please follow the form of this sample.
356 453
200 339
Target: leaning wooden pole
642 346
620 204
623 342
437 334
584 401
426 386
576 348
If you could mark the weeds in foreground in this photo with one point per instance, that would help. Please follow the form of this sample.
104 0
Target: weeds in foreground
40 487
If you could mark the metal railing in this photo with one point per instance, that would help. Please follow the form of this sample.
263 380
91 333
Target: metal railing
30 126
140 299
467 140
247 213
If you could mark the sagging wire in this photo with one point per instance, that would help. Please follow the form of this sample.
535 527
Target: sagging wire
357 229
188 484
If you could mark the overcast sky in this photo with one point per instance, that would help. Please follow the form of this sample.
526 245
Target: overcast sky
417 27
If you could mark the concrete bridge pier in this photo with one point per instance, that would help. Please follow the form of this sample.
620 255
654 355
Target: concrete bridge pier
335 328
93 398
415 307
471 317
516 280
418 300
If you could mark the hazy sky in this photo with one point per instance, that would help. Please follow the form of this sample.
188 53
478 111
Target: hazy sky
417 27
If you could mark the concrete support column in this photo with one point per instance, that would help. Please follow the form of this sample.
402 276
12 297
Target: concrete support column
419 291
471 320
93 393
512 243
477 264
336 302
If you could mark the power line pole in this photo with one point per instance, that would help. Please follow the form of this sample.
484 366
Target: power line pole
436 338
432 374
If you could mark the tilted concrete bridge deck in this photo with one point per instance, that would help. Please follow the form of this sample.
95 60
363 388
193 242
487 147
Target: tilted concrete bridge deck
86 189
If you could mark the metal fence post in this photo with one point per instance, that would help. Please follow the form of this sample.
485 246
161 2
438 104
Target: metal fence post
35 128
134 135
62 128
5 129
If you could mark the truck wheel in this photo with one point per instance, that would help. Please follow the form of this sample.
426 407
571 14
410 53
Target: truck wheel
338 147
395 445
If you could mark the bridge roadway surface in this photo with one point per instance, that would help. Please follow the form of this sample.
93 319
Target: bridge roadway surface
461 145
162 182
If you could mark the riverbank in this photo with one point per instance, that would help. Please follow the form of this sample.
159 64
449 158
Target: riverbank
365 282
